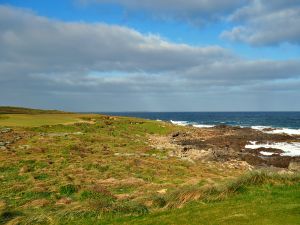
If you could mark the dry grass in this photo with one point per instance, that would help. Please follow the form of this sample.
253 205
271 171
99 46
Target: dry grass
106 166
207 193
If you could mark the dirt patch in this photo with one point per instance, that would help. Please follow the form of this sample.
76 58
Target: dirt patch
38 203
112 182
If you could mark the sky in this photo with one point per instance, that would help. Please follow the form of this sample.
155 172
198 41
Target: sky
150 55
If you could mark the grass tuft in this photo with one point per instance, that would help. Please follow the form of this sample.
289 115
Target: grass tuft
219 192
67 190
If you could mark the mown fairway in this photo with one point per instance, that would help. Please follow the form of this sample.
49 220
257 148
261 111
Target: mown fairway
27 120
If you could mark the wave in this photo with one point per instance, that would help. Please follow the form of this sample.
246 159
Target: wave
271 130
180 123
187 123
265 129
290 149
203 126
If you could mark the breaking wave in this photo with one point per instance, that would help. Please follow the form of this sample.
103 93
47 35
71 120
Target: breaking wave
290 149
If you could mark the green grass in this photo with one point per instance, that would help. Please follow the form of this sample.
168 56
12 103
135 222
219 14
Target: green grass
21 110
27 120
258 198
266 205
103 171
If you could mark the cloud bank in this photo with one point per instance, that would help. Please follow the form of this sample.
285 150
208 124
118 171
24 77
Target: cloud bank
105 67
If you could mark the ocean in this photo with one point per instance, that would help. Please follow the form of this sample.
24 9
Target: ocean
288 120
280 122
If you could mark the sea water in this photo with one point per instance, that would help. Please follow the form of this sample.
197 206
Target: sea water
280 122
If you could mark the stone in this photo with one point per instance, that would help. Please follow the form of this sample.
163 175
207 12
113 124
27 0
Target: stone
294 166
5 130
176 134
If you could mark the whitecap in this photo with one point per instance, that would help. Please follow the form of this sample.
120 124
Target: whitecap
180 123
288 131
266 153
284 131
290 149
186 123
261 128
203 126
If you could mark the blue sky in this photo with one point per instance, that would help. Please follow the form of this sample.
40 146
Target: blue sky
171 29
163 51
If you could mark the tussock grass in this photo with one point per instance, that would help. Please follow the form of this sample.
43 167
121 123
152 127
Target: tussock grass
187 194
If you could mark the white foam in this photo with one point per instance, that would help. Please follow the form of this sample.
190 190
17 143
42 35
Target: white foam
266 153
180 123
203 126
290 149
277 130
186 123
261 128
285 131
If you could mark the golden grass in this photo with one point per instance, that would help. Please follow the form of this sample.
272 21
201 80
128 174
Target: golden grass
27 120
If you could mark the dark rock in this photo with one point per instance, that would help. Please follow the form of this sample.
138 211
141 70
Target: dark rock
222 126
176 134
274 160
228 143
185 149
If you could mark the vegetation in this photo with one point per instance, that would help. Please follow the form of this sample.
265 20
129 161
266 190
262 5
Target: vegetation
95 169
35 120
20 110
276 202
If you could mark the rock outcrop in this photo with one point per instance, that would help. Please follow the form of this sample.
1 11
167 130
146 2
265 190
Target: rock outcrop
224 143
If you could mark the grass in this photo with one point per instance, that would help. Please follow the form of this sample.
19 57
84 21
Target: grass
27 120
274 205
102 170
20 110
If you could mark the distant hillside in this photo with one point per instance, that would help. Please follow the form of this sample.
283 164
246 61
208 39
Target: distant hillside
21 110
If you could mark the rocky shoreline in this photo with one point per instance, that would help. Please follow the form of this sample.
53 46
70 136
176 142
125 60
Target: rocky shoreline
226 143
219 144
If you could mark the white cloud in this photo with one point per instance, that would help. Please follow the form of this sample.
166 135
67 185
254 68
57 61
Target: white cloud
41 59
266 22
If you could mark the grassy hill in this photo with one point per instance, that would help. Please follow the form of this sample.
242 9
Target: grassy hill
26 117
96 169
21 110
